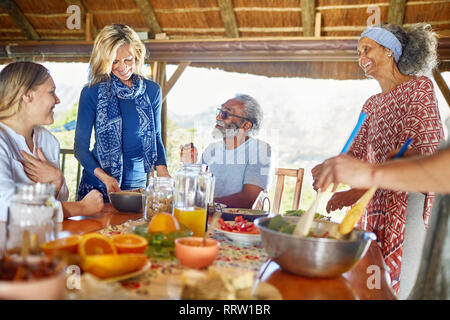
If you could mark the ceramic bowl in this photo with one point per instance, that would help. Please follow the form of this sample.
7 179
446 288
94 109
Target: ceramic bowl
191 252
127 201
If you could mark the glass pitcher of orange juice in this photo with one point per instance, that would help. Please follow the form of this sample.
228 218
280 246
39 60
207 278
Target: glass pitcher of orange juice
194 191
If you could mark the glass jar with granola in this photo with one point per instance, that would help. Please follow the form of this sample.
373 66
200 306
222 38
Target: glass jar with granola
159 196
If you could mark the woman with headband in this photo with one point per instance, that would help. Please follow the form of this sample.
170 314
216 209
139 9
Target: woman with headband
406 108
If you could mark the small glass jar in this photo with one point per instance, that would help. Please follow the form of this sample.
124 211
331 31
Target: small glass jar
32 217
159 193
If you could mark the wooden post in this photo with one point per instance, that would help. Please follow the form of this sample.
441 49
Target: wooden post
159 70
278 194
318 25
88 28
442 85
173 79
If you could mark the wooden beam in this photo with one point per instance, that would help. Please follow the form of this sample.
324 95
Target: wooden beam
173 79
149 16
89 26
83 12
19 19
159 76
396 12
228 18
230 50
308 10
318 25
442 85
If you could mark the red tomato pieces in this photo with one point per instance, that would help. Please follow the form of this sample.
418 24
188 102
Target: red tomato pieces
240 225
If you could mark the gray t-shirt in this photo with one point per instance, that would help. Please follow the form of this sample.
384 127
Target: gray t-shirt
250 163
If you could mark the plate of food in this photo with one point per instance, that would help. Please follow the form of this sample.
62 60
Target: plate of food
229 214
129 275
215 207
240 230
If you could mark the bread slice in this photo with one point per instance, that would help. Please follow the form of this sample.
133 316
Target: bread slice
198 285
234 278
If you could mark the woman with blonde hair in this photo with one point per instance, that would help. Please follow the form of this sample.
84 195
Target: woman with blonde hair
28 152
124 109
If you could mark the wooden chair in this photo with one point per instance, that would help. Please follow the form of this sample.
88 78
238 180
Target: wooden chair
281 173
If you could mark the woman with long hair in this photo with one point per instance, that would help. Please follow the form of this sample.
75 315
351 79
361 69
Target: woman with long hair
29 153
124 108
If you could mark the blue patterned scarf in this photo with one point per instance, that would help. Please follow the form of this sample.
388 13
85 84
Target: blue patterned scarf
108 124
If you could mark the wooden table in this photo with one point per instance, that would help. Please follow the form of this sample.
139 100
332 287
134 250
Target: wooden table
353 285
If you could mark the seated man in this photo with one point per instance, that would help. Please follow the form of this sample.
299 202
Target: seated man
240 164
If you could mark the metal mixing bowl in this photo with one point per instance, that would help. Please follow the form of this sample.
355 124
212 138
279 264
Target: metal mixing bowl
314 257
127 201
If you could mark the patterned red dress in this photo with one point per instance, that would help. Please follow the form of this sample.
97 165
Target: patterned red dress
409 110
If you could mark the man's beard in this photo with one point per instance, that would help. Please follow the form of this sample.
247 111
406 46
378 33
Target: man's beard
223 132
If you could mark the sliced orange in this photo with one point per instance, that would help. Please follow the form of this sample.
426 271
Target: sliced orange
113 265
95 244
163 222
69 245
129 243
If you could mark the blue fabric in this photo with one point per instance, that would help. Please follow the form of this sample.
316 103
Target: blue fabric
384 38
109 124
88 118
133 161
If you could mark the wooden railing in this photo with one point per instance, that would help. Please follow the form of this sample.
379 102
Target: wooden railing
64 153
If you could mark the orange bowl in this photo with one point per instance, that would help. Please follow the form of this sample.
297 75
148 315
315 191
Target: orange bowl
191 252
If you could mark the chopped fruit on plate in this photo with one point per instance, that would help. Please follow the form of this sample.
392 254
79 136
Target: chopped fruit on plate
54 247
96 244
113 265
129 243
240 225
163 222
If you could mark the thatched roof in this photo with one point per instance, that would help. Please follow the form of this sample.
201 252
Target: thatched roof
304 37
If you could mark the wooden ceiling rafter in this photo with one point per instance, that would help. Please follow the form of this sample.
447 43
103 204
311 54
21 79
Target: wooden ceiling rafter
236 50
228 18
19 19
149 16
308 17
396 12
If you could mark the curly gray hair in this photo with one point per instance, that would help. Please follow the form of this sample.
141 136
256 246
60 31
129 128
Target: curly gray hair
253 111
419 48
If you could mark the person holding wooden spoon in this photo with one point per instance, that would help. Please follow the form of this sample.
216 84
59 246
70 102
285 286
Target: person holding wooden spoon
406 108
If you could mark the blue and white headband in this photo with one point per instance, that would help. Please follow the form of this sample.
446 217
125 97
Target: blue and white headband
384 38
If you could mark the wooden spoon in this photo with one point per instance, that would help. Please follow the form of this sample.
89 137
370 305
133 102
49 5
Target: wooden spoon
304 224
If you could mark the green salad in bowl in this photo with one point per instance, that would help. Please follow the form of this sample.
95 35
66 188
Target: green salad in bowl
161 245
